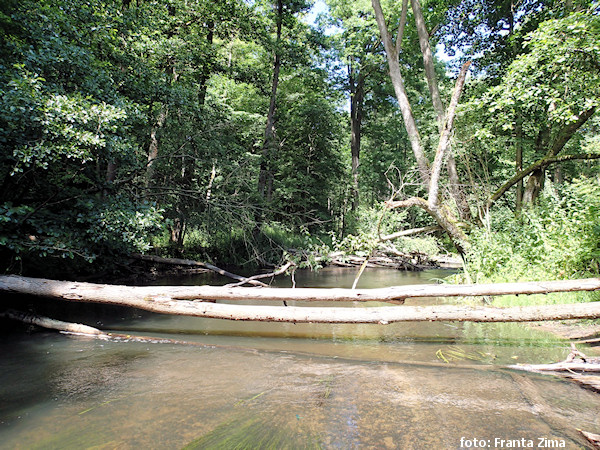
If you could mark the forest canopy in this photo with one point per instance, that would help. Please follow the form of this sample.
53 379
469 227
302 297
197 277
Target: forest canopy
235 131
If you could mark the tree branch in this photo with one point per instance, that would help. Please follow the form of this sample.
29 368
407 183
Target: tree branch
401 26
432 83
444 142
544 162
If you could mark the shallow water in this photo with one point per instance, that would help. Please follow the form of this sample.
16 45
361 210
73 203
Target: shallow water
260 385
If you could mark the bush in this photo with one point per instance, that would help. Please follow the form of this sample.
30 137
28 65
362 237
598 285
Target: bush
557 239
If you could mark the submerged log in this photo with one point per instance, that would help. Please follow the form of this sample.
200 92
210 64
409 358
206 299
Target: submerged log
51 324
175 300
558 367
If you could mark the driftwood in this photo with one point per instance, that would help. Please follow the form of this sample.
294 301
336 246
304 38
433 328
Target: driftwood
575 362
51 324
275 273
190 262
175 300
398 260
558 367
592 438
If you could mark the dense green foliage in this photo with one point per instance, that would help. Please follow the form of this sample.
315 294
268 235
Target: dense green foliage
140 126
560 238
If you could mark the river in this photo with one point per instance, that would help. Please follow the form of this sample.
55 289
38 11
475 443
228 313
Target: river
265 385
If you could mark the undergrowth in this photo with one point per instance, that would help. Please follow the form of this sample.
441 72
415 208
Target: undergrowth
559 238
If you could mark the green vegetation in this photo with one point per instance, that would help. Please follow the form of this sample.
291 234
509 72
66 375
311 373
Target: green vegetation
558 239
242 132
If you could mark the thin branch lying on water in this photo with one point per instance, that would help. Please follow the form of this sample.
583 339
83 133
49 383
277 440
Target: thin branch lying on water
190 262
275 273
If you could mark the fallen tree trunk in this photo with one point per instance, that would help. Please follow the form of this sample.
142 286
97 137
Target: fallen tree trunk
72 290
52 324
169 300
592 438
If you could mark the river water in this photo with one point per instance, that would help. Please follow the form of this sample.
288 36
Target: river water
264 385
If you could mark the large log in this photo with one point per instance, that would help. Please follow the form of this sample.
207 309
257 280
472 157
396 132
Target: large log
72 290
171 300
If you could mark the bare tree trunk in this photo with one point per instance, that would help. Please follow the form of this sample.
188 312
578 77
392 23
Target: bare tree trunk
52 324
464 211
171 300
432 83
401 95
357 85
430 177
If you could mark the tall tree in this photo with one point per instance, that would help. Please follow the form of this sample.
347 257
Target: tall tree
430 174
285 12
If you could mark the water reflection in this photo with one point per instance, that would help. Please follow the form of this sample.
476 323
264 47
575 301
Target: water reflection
285 386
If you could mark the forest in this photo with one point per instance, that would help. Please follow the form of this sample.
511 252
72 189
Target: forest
253 133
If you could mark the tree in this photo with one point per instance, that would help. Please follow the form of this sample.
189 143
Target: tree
556 85
285 11
430 176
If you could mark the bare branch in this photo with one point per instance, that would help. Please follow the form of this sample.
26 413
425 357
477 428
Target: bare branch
432 82
446 133
401 26
544 162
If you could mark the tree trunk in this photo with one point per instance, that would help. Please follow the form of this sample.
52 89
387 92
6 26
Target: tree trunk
168 300
542 163
357 85
519 162
535 184
52 324
552 155
153 147
207 66
464 211
432 83
69 290
265 177
429 176
401 95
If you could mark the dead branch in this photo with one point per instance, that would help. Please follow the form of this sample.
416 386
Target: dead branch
52 324
190 262
275 273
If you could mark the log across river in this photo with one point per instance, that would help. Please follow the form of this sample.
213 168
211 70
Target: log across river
199 301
